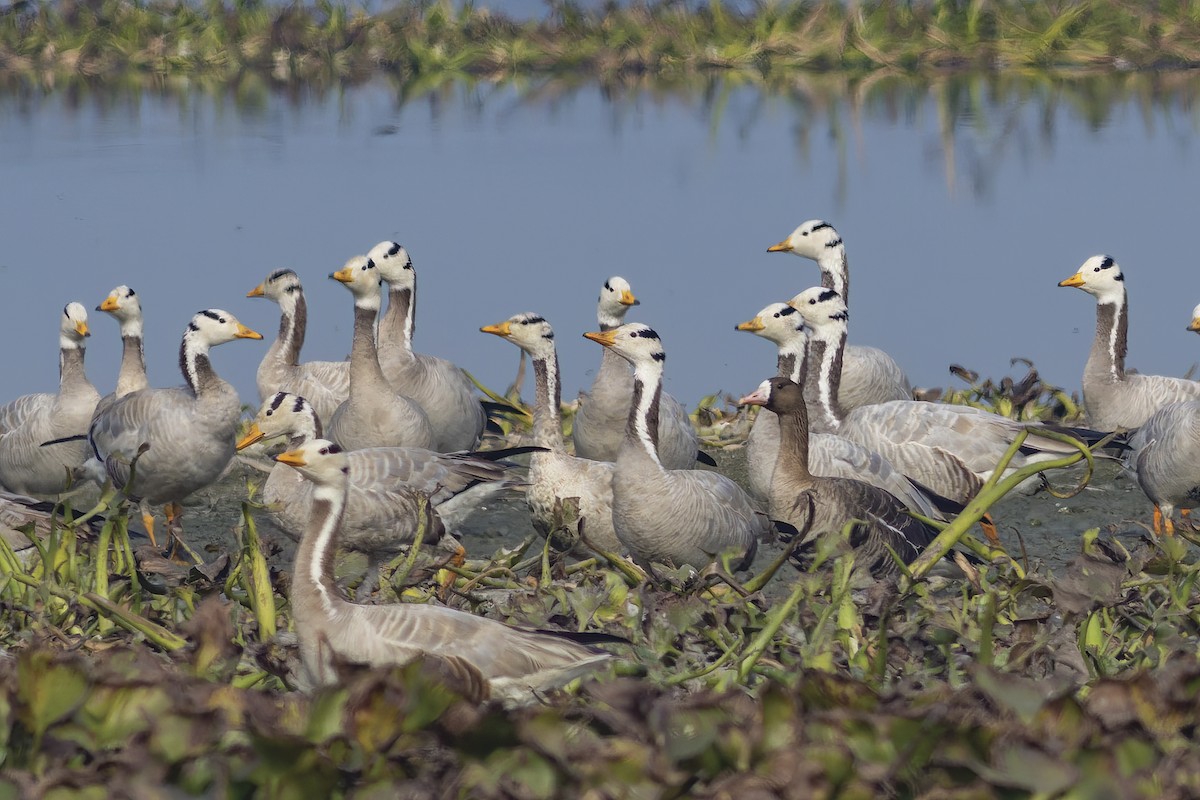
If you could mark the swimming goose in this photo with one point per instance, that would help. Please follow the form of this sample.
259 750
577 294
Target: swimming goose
829 455
869 375
188 430
1113 398
950 449
375 414
817 506
442 389
25 466
666 516
599 425
388 485
515 663
326 384
555 475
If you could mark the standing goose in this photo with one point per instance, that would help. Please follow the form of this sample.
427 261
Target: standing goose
661 515
188 431
817 506
442 389
25 466
326 384
375 414
869 375
388 485
1113 398
950 449
514 664
829 455
599 425
555 475
123 304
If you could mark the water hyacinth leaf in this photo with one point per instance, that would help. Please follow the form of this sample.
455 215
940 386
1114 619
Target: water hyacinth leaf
114 715
48 690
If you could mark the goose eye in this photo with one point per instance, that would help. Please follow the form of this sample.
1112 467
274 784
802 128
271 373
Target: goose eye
324 451
812 302
804 234
776 315
269 412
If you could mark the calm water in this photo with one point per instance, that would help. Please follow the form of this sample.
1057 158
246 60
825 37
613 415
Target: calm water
963 202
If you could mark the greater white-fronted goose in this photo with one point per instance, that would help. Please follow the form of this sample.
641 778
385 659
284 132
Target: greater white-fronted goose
817 506
516 664
1116 399
325 384
188 432
599 425
673 517
555 475
869 375
25 466
442 389
374 414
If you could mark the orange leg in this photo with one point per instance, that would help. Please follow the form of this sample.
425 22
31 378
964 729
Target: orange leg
989 529
148 521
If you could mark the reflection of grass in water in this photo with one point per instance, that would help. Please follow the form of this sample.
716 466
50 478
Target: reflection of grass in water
325 40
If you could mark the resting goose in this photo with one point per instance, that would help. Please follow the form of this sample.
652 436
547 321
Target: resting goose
869 375
514 664
25 466
1114 399
817 506
555 475
387 490
375 414
442 389
829 455
326 384
188 431
949 449
599 425
667 516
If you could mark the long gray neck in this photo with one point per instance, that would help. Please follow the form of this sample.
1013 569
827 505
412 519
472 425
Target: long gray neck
364 359
792 459
835 269
825 357
305 428
1106 361
132 375
313 586
293 321
790 362
547 407
400 320
70 367
642 425
194 364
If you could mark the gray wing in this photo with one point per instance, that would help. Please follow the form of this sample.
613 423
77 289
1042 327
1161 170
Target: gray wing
15 412
325 384
869 376
1165 455
449 400
1130 403
678 441
838 457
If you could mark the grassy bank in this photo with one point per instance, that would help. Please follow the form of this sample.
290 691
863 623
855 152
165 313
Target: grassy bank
293 41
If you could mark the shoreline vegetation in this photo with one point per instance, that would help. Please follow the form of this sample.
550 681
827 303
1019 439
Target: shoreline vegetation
413 40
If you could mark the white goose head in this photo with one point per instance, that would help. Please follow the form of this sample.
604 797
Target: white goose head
361 276
282 286
635 342
73 328
1195 323
528 331
321 461
1101 277
394 264
778 323
616 296
214 326
122 302
813 239
823 310
282 414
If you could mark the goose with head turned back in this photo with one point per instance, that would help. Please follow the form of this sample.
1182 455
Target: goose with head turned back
817 506
375 414
513 663
188 431
950 449
25 466
326 384
442 389
666 516
388 485
1113 398
599 425
555 475
829 455
869 375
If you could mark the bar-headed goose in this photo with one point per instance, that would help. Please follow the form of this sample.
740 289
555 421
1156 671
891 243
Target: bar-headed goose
555 475
869 375
515 664
123 304
599 425
187 432
25 466
375 414
950 449
1115 399
442 389
326 384
670 516
817 506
